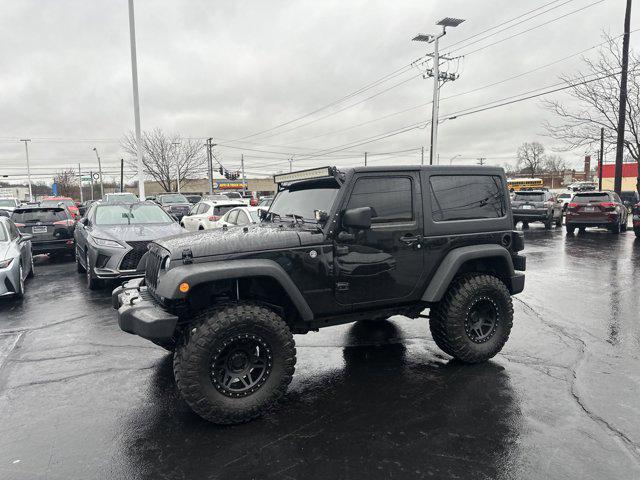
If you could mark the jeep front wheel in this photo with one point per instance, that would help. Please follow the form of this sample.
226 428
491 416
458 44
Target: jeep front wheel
235 363
473 320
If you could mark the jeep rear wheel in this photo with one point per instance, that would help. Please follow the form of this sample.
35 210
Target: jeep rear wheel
235 363
473 320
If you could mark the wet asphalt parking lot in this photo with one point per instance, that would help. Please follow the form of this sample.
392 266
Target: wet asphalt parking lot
80 399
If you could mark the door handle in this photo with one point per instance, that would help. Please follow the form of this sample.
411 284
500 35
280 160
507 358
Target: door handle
410 239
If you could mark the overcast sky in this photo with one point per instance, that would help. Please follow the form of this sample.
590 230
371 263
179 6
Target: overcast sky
229 69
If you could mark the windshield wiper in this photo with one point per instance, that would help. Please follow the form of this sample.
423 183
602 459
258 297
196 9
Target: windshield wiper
296 217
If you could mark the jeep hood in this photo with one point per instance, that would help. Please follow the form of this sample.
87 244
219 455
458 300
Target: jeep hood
221 241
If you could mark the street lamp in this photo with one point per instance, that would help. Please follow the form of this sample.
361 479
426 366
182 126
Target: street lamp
453 158
136 101
434 38
99 172
26 151
177 145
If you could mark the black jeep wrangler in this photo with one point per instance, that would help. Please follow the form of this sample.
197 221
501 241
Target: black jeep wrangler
336 246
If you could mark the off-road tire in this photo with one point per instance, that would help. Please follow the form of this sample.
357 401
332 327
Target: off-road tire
449 319
210 332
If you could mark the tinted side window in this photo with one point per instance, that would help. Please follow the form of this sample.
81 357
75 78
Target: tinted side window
466 197
390 197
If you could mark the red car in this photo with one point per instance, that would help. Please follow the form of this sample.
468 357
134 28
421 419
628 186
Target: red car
596 209
56 201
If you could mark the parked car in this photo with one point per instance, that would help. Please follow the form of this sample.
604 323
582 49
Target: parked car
629 198
84 206
5 213
51 227
536 206
151 198
250 199
174 204
565 198
66 201
636 219
9 203
239 216
265 202
120 197
206 214
16 259
193 199
235 196
596 209
112 239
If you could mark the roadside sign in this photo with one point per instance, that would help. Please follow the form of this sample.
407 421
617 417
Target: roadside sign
96 176
227 185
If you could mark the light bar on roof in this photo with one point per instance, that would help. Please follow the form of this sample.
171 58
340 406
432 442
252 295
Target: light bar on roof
303 175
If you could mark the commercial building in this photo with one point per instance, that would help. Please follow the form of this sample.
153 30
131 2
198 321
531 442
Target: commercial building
629 175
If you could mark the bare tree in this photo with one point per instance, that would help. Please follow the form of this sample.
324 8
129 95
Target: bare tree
531 157
167 157
579 124
554 164
66 182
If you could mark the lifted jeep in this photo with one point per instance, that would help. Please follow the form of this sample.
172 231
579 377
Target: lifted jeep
336 246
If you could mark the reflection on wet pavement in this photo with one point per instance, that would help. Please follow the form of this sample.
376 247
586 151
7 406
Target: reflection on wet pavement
80 399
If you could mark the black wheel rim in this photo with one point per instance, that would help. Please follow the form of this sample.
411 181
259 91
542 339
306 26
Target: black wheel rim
482 320
241 365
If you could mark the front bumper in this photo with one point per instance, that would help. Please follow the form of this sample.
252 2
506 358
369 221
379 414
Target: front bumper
139 314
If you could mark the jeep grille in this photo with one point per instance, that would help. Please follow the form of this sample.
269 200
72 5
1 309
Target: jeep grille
154 262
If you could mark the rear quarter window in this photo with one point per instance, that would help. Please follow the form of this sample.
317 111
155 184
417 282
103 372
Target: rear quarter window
466 197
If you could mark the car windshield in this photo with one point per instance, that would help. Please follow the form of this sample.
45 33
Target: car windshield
564 195
529 197
591 198
54 203
173 198
122 198
303 199
7 202
136 214
39 215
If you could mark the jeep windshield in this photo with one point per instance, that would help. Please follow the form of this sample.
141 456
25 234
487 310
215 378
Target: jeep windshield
302 199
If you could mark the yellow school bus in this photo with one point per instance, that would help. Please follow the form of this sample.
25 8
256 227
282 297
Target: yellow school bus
517 184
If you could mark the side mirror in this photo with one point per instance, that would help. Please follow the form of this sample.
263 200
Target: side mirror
84 221
25 237
358 218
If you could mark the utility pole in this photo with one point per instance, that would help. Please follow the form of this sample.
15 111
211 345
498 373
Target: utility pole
91 177
422 157
99 173
601 158
136 101
244 180
437 76
622 109
121 175
291 164
26 151
80 177
481 160
210 164
365 159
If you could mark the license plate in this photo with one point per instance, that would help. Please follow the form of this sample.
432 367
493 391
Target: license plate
527 207
39 230
589 209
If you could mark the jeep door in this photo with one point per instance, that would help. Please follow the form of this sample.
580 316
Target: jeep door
384 263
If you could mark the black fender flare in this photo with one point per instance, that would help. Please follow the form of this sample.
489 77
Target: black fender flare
452 262
197 273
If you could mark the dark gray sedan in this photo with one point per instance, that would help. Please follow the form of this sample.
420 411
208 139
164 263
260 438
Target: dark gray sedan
112 239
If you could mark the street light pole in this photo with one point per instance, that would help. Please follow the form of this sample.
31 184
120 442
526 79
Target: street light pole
453 158
99 173
26 150
177 144
80 176
435 73
136 102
